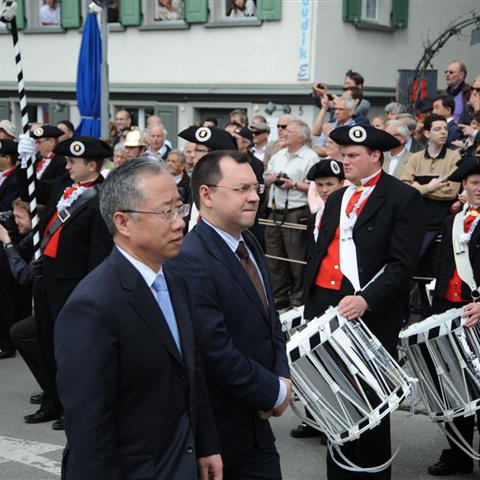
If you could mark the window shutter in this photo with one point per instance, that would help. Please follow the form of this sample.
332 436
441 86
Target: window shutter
70 11
130 12
269 9
352 10
20 15
400 13
196 11
169 115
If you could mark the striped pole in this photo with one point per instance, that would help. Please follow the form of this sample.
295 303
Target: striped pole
32 200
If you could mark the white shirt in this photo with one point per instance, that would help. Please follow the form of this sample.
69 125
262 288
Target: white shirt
394 160
296 166
49 16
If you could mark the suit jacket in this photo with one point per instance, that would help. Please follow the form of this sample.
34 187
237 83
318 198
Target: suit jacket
388 232
55 169
130 399
242 346
446 264
454 133
9 191
400 165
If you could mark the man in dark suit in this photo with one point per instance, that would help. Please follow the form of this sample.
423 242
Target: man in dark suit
453 290
236 325
75 240
134 398
365 256
49 165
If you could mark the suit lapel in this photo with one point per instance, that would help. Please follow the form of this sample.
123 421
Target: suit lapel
182 315
143 302
374 202
220 250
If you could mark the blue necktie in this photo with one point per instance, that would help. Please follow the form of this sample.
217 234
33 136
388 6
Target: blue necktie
163 299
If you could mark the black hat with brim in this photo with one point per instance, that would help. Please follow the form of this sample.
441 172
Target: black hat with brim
326 168
244 132
84 147
366 136
469 165
213 137
46 131
8 147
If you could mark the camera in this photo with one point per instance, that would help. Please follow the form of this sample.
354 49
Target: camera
281 177
7 220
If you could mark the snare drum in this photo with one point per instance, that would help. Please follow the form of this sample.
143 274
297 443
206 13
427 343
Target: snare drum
344 376
445 357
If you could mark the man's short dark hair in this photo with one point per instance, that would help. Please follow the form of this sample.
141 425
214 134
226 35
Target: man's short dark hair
427 124
232 124
476 116
207 170
382 156
241 113
68 124
447 101
356 77
211 120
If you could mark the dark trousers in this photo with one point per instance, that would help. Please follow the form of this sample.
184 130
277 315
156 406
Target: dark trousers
259 464
287 277
24 338
370 450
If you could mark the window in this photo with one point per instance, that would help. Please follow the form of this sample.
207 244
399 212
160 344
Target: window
232 10
376 14
163 14
43 15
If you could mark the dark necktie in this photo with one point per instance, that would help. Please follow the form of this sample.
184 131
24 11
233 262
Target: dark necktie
252 272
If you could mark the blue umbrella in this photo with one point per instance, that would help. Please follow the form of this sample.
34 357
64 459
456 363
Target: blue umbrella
89 78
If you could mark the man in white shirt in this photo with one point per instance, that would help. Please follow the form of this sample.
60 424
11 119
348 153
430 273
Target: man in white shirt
286 174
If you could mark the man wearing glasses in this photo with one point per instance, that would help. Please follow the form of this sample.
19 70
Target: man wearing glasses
235 322
129 378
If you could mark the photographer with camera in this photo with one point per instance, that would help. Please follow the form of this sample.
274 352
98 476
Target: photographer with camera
286 174
15 275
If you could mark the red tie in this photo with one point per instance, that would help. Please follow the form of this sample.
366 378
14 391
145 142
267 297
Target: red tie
469 219
358 192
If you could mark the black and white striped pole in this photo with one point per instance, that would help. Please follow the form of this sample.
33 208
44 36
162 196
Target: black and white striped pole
8 10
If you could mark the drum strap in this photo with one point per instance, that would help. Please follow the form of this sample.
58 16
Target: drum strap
459 441
461 255
348 250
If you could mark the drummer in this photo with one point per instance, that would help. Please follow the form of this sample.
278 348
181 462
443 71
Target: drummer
452 291
366 253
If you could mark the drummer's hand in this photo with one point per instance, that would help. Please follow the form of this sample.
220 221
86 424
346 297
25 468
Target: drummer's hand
471 314
352 306
277 412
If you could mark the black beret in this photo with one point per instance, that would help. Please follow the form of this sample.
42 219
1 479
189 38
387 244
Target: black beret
213 137
245 133
84 147
326 168
366 136
8 147
46 131
469 165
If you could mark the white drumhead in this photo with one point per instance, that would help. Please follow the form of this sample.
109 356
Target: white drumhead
442 320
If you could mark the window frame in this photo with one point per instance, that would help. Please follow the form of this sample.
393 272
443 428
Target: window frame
32 14
149 23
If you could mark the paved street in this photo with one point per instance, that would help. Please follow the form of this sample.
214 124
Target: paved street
33 452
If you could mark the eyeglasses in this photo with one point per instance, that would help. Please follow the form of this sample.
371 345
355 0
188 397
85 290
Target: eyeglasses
281 126
244 189
170 214
476 89
202 150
